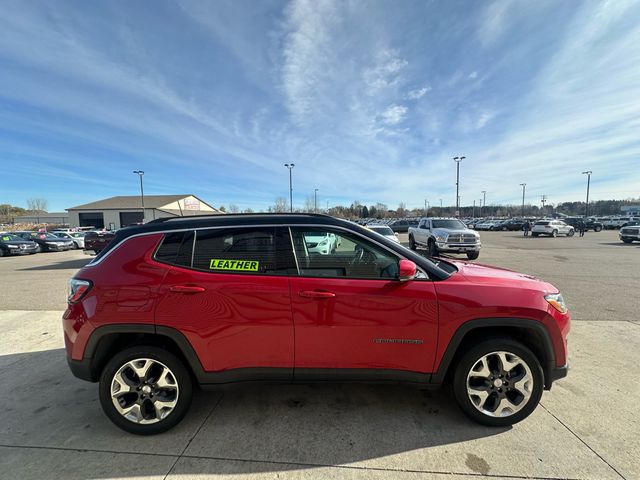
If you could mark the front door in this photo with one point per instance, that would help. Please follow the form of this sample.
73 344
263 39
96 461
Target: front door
231 299
352 315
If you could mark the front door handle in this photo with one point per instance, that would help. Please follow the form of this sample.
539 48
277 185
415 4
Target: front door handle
316 294
186 289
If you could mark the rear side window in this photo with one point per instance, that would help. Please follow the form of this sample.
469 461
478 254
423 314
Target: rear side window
248 251
176 249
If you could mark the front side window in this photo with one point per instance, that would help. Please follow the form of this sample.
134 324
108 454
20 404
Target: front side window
252 251
324 252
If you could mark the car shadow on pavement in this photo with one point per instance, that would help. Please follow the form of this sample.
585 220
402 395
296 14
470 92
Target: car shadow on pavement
76 264
620 244
248 429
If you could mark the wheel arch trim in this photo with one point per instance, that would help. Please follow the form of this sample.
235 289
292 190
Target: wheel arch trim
548 363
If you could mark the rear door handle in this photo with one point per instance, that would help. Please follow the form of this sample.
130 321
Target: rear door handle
186 289
316 294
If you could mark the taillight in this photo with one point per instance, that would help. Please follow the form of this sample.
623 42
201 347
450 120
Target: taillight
77 289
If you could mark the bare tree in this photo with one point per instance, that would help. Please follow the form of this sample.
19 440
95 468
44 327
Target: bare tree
248 210
281 205
233 208
37 205
402 209
309 204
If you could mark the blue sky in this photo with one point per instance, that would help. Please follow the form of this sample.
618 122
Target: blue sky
370 100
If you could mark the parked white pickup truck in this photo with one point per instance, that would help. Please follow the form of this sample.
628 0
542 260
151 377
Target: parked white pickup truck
445 235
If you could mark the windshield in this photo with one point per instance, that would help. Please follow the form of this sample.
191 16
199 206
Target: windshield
5 237
45 236
451 224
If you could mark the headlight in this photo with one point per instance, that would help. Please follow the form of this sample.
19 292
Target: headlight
441 238
12 246
557 302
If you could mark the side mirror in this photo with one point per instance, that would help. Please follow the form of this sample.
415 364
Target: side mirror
408 270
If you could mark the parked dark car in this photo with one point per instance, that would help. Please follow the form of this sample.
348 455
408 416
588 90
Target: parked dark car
400 226
47 242
589 223
513 225
14 245
96 241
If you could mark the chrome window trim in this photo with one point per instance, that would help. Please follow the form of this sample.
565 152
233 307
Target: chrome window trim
293 249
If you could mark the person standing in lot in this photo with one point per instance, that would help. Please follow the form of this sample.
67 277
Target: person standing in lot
526 228
581 227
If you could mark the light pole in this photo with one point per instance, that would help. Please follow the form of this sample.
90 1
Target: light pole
484 200
458 160
586 209
524 186
140 173
426 207
315 200
290 167
473 214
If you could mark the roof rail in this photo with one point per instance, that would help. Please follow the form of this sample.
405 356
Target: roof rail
232 215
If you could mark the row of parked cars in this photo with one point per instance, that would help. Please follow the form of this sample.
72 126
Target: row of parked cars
30 242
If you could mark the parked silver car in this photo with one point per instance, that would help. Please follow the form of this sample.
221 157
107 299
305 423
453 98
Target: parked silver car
553 228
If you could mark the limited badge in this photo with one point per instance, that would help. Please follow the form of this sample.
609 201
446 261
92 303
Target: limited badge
236 265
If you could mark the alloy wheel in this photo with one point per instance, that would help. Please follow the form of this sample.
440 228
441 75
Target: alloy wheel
144 391
500 384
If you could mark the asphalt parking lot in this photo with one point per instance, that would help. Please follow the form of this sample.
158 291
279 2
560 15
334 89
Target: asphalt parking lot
587 427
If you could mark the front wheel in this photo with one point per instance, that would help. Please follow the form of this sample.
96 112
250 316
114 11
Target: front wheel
412 243
473 255
597 229
432 248
145 390
534 234
498 382
627 240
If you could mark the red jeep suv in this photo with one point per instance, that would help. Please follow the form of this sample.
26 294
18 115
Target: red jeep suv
300 298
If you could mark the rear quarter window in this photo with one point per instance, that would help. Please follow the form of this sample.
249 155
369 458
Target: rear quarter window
176 249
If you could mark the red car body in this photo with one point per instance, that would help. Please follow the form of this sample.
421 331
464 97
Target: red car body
229 327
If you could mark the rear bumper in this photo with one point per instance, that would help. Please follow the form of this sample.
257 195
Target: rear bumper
81 369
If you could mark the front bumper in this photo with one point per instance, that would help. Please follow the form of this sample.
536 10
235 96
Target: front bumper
555 373
458 247
21 251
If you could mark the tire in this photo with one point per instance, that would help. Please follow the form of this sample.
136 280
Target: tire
75 246
554 234
157 365
571 233
473 255
412 243
520 396
432 248
2 254
597 229
38 249
625 240
534 234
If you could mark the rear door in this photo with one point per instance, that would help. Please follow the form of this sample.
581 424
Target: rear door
352 315
230 297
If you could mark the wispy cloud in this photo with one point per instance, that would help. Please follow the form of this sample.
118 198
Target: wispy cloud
215 98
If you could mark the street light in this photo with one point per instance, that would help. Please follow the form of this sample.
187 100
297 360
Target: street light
427 206
586 209
524 186
458 160
290 167
315 200
140 173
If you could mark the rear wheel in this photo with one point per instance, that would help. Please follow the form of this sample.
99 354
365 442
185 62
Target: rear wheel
498 382
597 229
570 233
554 233
145 390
